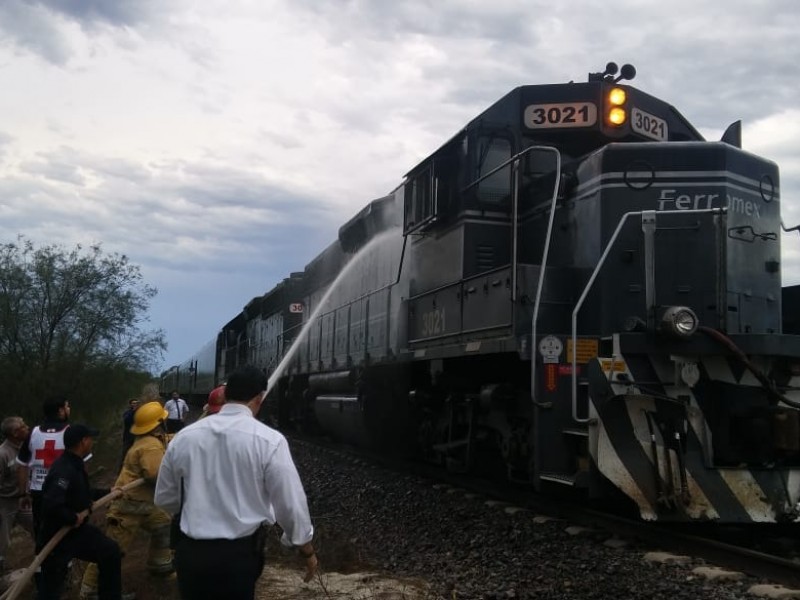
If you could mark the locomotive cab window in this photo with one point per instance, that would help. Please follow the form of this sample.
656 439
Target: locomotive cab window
538 178
419 201
495 190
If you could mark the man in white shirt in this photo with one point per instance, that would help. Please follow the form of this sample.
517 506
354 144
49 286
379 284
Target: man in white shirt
177 409
228 476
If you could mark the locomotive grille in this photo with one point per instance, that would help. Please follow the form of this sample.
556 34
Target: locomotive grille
485 257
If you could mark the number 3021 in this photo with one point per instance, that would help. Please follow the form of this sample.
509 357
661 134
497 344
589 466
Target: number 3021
560 115
649 125
433 322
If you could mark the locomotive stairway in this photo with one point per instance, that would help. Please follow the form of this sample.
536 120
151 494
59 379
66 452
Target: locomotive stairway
575 438
573 467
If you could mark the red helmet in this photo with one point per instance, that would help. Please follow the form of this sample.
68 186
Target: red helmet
216 399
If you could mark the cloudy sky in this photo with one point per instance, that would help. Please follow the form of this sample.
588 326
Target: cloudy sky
221 143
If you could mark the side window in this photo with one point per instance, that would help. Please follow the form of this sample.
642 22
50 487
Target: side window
418 199
445 188
495 189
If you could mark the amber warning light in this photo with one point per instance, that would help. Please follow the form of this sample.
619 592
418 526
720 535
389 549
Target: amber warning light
617 114
617 96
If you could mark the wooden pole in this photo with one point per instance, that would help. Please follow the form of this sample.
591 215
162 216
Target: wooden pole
19 585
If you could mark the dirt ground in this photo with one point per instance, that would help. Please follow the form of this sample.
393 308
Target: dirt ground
282 578
343 572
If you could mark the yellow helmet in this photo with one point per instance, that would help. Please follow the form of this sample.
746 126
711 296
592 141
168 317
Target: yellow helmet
147 417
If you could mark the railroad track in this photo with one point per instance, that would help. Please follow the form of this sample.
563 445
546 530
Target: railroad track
772 567
782 568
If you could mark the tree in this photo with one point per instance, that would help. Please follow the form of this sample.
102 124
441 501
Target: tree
65 314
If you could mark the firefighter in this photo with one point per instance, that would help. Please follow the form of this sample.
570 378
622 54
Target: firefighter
135 510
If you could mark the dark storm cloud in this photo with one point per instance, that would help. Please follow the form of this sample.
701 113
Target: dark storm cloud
35 25
210 185
31 28
698 56
209 216
119 168
113 12
72 166
392 20
181 214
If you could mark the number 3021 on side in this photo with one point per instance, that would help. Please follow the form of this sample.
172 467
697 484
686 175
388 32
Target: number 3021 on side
649 125
560 115
433 323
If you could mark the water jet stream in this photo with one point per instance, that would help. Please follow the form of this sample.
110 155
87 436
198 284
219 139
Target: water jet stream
376 244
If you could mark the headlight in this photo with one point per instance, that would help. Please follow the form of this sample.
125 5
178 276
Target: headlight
617 116
679 321
617 96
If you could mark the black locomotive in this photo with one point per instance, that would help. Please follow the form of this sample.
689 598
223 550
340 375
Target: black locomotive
576 289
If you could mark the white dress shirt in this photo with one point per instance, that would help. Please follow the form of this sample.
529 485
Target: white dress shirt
176 408
237 474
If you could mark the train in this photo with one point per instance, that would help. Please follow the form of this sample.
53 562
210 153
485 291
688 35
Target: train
576 291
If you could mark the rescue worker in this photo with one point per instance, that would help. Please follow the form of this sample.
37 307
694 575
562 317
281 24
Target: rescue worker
135 511
66 502
44 444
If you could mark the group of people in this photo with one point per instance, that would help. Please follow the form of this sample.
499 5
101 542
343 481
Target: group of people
209 493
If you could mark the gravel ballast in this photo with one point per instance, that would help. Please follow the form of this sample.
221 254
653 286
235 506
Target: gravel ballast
368 517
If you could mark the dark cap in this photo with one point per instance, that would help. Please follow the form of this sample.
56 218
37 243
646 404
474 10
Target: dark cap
75 433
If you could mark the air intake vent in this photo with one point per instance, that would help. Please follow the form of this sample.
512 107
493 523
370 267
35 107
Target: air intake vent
485 257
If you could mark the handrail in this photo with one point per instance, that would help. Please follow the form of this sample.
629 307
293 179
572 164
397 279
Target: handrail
788 229
515 210
543 266
514 161
574 354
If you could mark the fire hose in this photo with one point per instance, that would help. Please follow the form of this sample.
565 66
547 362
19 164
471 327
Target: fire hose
19 585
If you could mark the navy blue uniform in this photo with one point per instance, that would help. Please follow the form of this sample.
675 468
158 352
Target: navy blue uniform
66 492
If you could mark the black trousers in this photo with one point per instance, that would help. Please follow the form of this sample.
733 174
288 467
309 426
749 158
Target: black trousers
36 510
174 425
86 543
218 569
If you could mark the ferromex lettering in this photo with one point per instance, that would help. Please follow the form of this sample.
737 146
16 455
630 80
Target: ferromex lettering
670 199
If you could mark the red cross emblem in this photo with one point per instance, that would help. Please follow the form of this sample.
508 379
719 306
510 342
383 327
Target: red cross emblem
49 453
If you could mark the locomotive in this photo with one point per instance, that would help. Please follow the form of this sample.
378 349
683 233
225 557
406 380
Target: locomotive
575 290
